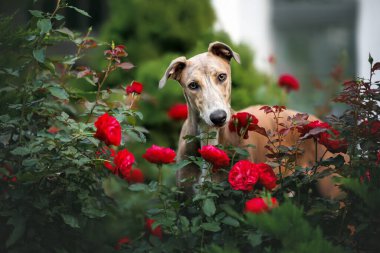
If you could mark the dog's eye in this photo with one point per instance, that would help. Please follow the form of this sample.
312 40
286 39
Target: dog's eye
193 86
222 77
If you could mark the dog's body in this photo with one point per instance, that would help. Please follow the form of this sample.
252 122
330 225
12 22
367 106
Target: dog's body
206 82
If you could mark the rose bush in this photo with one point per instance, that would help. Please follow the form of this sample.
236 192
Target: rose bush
67 167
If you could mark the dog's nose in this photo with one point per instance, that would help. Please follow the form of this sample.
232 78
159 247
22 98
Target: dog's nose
218 117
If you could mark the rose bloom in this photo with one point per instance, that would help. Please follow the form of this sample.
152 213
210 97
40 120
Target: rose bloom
108 129
259 205
135 87
159 155
289 82
267 178
122 163
178 112
333 143
305 129
135 176
243 176
242 120
157 231
121 241
217 157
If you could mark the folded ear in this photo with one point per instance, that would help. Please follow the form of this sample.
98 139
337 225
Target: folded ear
222 50
173 71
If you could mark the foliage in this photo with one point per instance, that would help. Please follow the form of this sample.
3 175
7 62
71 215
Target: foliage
57 194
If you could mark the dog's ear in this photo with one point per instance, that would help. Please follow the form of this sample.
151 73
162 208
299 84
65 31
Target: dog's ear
222 50
173 71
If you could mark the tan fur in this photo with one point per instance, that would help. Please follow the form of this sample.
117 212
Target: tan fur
212 95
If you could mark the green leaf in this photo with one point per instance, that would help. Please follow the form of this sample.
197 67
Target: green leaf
44 25
70 220
338 161
179 165
209 207
18 223
231 221
20 151
39 54
58 92
84 13
138 187
255 239
29 162
185 222
211 226
66 31
36 13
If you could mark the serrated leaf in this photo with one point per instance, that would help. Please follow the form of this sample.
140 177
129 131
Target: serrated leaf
58 92
36 13
231 221
39 54
70 220
44 25
338 161
208 207
79 11
211 226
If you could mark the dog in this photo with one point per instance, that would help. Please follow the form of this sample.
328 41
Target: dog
206 83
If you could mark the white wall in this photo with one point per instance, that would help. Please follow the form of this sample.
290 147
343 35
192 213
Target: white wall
247 21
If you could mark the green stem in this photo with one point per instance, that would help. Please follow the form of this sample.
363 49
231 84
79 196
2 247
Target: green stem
159 180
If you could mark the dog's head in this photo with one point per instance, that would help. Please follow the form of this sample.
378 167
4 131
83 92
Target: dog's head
206 82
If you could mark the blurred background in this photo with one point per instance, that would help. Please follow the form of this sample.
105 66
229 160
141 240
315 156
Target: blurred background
320 42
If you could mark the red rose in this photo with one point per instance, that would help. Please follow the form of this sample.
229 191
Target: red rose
260 205
333 143
288 82
159 155
135 87
317 125
267 178
122 163
178 112
157 231
217 157
242 122
53 130
243 176
108 129
135 176
121 241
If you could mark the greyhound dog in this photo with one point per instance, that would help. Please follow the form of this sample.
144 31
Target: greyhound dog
206 84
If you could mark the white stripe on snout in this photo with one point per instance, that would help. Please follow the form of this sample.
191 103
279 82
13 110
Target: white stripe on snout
213 100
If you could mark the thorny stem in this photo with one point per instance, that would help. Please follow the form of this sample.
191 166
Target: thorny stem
108 70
